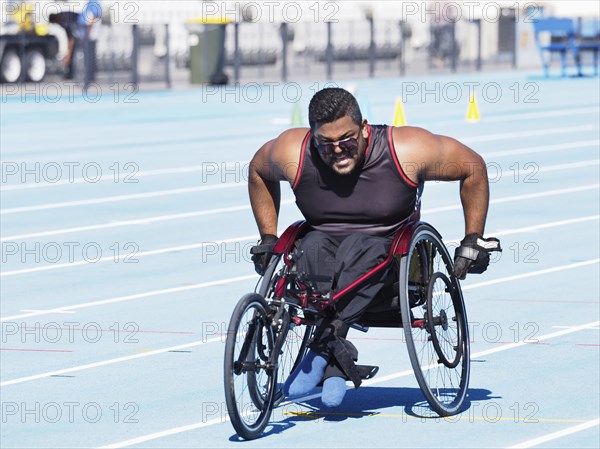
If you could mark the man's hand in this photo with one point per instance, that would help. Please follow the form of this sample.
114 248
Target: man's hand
472 256
262 252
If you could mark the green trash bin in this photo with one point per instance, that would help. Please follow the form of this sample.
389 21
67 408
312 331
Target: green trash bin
207 50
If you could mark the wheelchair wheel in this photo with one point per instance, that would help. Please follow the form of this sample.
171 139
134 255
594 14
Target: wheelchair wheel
298 336
434 321
249 380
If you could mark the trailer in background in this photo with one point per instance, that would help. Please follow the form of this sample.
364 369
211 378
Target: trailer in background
24 57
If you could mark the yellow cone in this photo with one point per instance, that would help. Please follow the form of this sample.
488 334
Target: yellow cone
399 119
473 111
297 115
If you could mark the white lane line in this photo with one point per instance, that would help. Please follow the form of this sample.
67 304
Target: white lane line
181 429
547 225
166 433
481 284
206 167
530 133
535 340
139 221
527 169
556 435
542 149
153 252
116 198
542 114
534 228
531 274
528 196
47 310
527 115
109 362
152 293
546 193
149 294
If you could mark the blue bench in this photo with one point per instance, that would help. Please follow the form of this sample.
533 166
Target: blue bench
558 35
587 39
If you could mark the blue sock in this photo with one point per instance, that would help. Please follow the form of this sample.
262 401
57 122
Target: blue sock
334 389
307 375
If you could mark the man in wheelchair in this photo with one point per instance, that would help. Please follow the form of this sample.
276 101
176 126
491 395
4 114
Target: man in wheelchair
356 184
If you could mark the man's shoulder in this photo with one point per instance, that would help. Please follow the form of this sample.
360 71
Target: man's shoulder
413 145
289 143
411 138
409 132
292 137
402 134
279 157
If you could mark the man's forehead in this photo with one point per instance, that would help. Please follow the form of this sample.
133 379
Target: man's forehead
338 128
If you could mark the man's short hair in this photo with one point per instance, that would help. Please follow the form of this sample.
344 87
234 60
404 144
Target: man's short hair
333 103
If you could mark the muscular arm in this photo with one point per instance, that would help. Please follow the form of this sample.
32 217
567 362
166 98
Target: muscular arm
275 161
264 191
441 158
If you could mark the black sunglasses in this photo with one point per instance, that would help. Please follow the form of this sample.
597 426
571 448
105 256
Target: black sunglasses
349 144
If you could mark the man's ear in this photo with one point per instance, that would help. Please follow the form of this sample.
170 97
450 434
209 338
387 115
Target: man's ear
365 129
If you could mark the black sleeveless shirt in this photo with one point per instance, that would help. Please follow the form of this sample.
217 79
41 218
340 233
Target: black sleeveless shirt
376 198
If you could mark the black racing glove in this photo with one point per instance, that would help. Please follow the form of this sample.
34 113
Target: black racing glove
262 252
473 254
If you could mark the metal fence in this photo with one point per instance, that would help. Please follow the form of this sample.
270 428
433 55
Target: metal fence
160 54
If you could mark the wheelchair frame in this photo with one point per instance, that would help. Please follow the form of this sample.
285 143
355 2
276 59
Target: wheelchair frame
264 348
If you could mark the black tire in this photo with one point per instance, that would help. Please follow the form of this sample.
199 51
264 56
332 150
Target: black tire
298 336
443 384
10 66
35 65
249 382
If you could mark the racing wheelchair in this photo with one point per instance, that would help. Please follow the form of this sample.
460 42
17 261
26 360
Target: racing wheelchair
270 329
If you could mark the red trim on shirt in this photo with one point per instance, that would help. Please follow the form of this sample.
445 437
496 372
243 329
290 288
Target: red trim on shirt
364 158
395 158
301 163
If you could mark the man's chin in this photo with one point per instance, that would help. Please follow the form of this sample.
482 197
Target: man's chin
344 169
